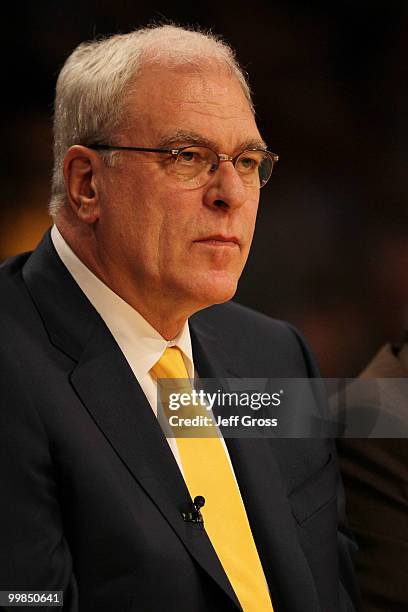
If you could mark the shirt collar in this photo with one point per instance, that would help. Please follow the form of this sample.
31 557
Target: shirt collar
141 344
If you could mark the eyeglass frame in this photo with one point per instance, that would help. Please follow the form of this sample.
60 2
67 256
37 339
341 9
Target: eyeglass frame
176 152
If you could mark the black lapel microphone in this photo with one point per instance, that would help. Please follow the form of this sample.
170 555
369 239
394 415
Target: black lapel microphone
195 516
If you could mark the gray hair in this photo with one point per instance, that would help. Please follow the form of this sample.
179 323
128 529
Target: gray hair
92 87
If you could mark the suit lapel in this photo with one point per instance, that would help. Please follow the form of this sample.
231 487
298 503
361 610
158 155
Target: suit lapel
262 489
111 394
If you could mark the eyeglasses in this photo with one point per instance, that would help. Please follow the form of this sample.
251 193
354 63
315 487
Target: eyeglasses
193 166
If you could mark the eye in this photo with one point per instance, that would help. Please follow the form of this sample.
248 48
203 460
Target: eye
186 156
190 157
249 161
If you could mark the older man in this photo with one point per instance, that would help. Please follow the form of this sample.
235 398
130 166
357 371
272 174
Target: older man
158 166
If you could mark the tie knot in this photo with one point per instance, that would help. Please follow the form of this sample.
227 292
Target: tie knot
170 364
174 385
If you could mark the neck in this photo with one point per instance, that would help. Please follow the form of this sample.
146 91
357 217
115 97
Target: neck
162 312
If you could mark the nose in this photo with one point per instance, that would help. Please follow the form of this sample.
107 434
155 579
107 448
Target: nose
226 189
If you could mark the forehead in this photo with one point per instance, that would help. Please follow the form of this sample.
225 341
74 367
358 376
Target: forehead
209 102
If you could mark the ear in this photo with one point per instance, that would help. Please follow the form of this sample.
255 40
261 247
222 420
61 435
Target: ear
82 169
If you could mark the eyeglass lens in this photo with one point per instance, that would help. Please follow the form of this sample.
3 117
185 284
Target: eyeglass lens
195 165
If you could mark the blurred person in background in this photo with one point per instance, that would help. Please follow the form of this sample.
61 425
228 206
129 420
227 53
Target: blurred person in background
375 474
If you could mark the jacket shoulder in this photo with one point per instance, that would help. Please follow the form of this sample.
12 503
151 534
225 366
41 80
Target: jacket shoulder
12 289
259 337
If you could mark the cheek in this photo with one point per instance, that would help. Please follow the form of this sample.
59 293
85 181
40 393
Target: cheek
142 211
250 217
179 220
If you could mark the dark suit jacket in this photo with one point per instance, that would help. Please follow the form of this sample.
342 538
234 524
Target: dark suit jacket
375 473
91 493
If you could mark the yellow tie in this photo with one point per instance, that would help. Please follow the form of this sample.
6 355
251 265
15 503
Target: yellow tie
207 472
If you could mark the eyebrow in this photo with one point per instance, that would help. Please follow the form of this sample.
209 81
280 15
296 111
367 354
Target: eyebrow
180 138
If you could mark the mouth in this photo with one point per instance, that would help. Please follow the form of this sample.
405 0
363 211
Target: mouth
219 240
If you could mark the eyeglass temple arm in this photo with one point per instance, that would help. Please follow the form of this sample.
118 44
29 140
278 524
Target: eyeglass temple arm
113 148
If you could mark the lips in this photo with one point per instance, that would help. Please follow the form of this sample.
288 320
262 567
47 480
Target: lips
220 240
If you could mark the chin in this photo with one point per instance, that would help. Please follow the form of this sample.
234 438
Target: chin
216 290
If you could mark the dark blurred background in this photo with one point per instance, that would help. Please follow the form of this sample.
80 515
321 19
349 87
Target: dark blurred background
331 92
